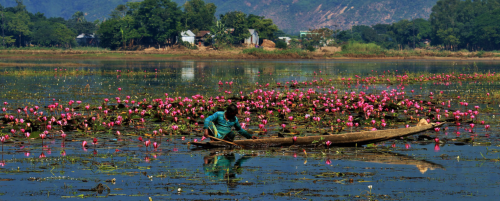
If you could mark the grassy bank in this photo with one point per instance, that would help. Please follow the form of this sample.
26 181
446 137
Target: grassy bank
370 50
277 54
349 51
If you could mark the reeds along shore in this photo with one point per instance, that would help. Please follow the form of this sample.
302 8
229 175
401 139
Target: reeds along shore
350 51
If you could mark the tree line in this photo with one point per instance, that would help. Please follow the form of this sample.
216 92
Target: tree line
452 25
160 22
21 28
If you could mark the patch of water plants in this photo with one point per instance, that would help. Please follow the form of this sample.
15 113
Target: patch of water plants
131 129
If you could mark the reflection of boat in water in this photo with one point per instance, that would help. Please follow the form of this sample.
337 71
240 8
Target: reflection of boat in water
390 158
348 139
387 158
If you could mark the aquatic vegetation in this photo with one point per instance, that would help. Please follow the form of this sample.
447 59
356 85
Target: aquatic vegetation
138 123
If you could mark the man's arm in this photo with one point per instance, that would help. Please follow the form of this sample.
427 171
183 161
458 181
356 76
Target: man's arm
207 122
243 132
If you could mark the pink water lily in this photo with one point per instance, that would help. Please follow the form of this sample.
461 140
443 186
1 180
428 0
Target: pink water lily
328 143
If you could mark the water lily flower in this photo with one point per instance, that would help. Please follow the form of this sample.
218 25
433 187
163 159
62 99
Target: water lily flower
84 143
328 143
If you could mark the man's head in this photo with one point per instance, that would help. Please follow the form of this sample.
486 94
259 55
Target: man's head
231 111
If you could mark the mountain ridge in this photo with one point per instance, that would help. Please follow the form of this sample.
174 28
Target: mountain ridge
290 15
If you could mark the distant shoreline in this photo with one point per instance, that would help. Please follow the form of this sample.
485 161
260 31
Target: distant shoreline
207 55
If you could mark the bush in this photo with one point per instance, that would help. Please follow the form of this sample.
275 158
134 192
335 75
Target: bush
281 44
310 48
259 52
361 47
480 54
189 45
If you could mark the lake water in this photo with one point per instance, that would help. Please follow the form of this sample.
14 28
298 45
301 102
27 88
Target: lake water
457 169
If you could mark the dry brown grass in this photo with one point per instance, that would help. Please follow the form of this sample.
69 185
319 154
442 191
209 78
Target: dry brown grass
44 65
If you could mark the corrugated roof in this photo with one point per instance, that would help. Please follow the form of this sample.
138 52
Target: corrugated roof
202 33
187 33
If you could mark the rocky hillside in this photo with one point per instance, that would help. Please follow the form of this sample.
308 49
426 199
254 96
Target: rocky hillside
295 15
290 15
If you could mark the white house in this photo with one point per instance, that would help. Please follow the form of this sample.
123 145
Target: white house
86 40
253 39
286 39
188 36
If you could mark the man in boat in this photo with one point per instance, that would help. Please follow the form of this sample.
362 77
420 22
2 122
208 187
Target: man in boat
220 125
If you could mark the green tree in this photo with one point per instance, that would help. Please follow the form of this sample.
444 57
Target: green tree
319 36
199 16
265 27
63 35
221 36
19 24
109 34
487 30
236 20
160 19
79 16
119 12
8 40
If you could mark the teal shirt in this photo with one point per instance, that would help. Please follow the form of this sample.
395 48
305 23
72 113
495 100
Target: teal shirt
224 127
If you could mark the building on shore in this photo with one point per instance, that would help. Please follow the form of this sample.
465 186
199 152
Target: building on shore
253 39
188 37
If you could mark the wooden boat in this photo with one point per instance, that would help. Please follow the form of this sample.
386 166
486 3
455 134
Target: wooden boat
348 139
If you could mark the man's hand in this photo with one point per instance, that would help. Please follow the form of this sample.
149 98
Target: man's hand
255 137
206 133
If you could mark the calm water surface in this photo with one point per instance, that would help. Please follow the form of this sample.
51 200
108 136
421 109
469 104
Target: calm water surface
455 171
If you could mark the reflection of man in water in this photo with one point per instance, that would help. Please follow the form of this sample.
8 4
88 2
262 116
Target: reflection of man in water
220 167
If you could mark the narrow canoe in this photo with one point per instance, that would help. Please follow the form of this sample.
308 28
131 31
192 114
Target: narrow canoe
348 139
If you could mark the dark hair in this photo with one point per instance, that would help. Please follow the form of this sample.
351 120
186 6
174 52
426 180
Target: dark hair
232 109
